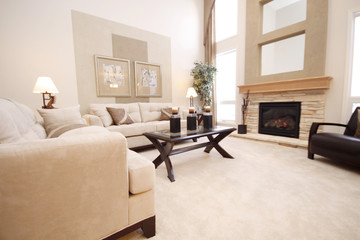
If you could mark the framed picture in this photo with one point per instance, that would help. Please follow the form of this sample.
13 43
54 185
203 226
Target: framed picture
112 77
147 79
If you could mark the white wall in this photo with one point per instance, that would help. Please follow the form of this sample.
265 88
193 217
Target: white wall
37 39
336 57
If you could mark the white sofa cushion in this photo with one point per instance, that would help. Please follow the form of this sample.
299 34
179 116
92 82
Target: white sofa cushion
55 118
18 123
135 129
99 110
141 173
85 130
152 111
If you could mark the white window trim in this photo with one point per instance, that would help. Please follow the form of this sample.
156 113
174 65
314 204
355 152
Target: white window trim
348 100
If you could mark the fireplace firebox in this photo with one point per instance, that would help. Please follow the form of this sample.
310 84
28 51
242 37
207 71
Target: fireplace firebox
280 118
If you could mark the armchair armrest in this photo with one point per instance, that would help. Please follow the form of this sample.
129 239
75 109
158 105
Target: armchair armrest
64 185
315 126
313 130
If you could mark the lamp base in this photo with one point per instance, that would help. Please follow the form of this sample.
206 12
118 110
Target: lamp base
51 100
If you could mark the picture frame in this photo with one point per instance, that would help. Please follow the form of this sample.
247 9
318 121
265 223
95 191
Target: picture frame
112 77
148 79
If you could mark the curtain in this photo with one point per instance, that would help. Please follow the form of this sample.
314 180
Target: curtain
209 44
209 31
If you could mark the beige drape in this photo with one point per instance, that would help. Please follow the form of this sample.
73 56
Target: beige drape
209 44
209 31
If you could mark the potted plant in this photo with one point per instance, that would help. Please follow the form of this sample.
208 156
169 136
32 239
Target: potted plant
204 76
242 128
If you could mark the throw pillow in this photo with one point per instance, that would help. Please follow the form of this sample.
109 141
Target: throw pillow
357 134
102 113
54 118
120 116
166 113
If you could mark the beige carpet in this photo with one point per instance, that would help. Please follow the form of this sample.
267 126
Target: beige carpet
267 192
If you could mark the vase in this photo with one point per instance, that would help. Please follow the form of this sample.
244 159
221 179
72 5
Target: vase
242 129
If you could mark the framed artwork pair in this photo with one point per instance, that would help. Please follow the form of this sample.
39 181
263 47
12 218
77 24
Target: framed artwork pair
113 78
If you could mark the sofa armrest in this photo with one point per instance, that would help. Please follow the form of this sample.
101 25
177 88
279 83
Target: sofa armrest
92 120
141 173
72 186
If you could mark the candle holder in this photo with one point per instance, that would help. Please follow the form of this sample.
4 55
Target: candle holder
191 122
175 123
207 109
174 110
191 110
207 118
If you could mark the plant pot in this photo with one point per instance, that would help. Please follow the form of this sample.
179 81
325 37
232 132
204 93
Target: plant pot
242 129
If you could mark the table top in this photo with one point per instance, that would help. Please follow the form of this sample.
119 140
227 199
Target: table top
185 134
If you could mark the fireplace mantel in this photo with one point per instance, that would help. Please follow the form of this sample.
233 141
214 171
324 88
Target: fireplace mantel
288 85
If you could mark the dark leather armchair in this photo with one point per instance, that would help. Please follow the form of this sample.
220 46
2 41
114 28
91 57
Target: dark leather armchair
344 147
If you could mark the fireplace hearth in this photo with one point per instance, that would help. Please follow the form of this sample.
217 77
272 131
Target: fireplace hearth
280 118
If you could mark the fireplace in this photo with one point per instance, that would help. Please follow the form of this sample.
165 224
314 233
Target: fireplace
280 118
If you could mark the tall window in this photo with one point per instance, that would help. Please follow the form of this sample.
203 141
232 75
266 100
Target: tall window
225 19
226 25
355 63
226 86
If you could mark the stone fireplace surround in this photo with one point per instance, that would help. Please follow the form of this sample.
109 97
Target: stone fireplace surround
311 92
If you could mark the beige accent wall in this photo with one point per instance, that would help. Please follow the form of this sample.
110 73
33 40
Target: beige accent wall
133 50
314 27
97 36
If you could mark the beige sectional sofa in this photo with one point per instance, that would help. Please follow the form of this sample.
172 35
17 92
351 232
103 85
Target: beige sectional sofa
146 117
83 185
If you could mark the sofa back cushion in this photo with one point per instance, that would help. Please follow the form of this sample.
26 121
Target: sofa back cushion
357 134
99 110
18 123
352 124
152 111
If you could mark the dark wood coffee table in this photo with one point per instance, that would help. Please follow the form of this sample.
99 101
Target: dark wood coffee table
166 150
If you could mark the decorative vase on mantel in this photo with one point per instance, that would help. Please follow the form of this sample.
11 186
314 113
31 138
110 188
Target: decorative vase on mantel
242 129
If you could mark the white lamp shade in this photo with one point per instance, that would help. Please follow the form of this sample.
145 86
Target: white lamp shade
45 84
191 92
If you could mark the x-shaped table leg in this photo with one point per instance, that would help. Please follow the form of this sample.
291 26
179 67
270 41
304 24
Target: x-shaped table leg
215 144
164 156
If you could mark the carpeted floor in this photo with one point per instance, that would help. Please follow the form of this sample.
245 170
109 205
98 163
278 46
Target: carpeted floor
267 192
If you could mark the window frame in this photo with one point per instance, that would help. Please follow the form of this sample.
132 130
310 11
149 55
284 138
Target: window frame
349 100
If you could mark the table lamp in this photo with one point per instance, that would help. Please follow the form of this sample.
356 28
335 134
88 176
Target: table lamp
191 93
46 86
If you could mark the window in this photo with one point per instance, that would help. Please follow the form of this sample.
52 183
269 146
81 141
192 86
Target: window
355 73
226 86
283 56
229 47
282 13
226 19
354 76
